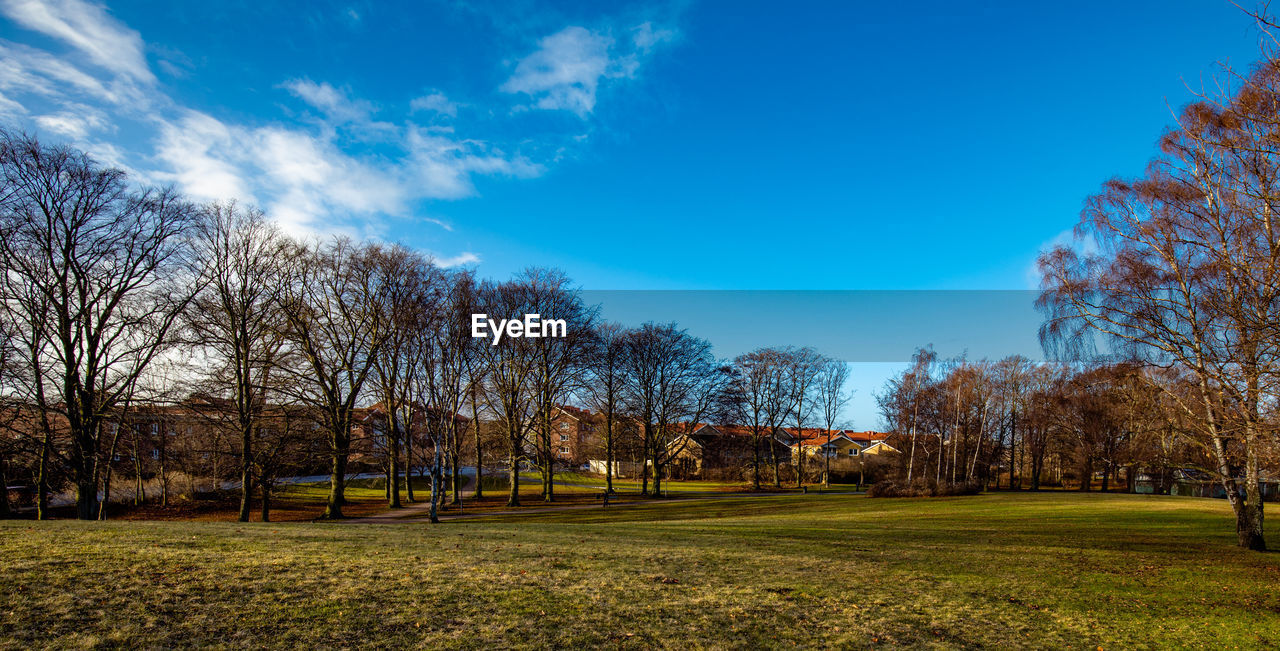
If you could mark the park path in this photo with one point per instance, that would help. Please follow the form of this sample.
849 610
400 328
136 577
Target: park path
416 511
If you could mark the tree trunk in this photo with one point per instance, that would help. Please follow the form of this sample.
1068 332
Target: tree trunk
826 463
436 470
1249 512
608 452
755 462
455 467
337 479
42 478
408 457
246 470
393 458
644 457
657 475
514 453
475 427
773 456
4 490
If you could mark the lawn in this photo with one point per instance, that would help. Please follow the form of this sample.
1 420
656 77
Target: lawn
997 570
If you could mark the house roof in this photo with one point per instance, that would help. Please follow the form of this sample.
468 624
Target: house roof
817 436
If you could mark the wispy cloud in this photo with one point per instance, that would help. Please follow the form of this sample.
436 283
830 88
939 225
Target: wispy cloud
464 258
334 103
87 27
435 101
347 164
567 68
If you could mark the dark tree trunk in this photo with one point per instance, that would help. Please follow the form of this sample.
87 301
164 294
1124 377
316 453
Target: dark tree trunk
246 470
608 452
393 469
338 476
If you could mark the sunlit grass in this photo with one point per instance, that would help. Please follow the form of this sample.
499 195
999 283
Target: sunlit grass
1001 570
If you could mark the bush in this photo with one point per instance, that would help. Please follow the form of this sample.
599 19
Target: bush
922 488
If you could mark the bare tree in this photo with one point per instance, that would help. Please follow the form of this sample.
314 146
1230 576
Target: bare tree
449 367
606 386
331 304
1187 273
831 398
559 362
409 311
764 397
511 365
105 269
234 319
803 369
673 383
904 397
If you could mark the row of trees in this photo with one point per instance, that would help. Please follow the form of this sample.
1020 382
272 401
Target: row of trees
1015 424
118 300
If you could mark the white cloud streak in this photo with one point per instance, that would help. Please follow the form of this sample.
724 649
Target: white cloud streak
88 28
464 258
566 70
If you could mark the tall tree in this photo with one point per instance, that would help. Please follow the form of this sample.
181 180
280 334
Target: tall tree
106 271
511 370
331 304
606 386
1186 272
831 398
234 318
410 306
763 397
559 362
673 383
803 369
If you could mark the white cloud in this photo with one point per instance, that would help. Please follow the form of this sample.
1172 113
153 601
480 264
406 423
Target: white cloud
464 258
88 28
303 179
332 102
338 169
9 109
435 101
195 150
566 70
646 36
76 122
32 71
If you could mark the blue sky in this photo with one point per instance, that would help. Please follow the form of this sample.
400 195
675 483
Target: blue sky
684 145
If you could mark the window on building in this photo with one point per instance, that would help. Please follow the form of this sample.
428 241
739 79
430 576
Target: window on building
564 426
564 438
564 450
853 452
155 454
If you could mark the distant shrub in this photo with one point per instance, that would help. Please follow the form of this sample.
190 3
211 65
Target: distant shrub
922 488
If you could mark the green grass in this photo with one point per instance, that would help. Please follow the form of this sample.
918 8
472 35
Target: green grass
1001 570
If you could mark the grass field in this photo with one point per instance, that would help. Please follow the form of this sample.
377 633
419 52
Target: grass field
997 570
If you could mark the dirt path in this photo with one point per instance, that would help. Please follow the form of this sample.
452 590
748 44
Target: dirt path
416 511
